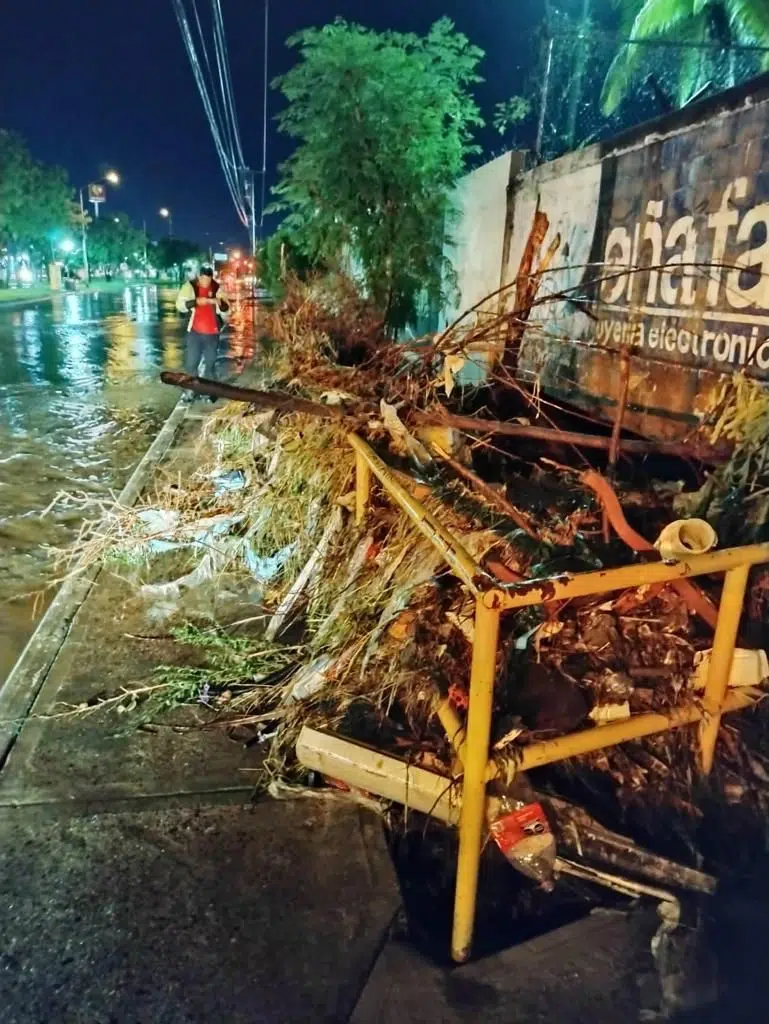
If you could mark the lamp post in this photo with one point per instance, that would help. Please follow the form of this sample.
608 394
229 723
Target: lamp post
113 178
84 239
166 214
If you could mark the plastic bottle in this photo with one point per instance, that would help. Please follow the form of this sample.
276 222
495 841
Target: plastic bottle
522 832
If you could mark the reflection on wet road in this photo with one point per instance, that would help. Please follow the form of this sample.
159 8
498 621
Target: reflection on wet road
80 402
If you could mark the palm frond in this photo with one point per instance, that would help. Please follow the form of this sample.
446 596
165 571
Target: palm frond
628 12
689 75
618 77
655 19
749 19
661 17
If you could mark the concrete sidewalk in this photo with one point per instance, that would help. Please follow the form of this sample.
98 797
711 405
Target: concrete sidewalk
274 913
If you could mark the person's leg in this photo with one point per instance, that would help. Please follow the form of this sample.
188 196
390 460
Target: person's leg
210 347
192 353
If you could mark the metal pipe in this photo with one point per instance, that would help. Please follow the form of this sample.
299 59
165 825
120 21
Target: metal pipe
561 588
362 488
587 740
372 771
471 823
722 655
455 731
457 557
633 445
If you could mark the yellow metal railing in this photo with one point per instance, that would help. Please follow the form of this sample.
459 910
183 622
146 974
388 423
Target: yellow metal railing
492 600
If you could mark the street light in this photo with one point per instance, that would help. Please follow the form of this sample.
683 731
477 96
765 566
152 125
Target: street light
67 245
113 178
165 213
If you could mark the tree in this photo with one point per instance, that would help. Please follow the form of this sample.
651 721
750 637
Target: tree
722 23
113 240
282 253
35 199
383 127
173 252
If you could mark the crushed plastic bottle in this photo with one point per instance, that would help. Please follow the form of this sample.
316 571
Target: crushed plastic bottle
522 832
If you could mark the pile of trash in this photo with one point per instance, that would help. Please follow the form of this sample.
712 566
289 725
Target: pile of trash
363 631
380 633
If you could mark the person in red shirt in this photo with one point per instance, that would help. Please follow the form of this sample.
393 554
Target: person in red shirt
204 299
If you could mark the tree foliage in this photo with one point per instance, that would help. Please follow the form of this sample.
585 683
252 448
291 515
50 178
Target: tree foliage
383 126
722 23
35 199
283 254
113 240
173 252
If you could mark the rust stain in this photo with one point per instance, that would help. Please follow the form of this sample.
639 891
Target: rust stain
545 588
528 282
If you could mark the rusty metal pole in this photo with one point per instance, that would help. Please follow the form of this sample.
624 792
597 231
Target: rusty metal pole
614 446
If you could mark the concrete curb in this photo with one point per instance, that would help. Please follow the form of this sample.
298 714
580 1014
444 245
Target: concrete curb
19 691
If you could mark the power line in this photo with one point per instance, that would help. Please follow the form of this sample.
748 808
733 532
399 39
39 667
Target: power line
264 115
219 106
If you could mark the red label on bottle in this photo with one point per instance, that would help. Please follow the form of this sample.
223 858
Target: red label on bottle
524 823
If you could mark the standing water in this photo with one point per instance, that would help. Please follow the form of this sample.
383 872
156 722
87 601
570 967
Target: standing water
80 402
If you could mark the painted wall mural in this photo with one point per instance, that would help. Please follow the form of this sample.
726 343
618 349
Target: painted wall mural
663 247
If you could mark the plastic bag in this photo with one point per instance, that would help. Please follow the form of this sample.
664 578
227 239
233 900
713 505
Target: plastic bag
523 834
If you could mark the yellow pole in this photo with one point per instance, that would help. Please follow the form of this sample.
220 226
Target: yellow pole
729 614
476 753
454 729
585 741
561 588
466 568
362 487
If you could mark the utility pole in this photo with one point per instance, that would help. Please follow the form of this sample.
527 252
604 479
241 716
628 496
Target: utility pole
84 237
249 185
578 78
264 115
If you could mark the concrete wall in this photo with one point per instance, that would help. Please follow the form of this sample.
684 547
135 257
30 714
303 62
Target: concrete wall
662 237
479 235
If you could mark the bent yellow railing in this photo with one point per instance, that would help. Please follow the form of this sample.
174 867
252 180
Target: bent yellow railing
492 600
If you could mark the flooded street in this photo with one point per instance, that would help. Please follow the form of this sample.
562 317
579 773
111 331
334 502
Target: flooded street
80 402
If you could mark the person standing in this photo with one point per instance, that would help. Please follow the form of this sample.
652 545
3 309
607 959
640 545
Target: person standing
203 299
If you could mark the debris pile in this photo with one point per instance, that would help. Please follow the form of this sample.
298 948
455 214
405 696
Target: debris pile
380 632
365 632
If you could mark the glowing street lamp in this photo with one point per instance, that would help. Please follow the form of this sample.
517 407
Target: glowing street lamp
112 177
165 213
67 245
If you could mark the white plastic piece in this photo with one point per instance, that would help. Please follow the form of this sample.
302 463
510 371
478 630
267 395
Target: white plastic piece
749 668
686 537
602 714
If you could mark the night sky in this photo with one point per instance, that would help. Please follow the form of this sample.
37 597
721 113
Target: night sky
92 84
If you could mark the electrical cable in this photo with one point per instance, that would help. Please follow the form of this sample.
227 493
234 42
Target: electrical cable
219 107
264 117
